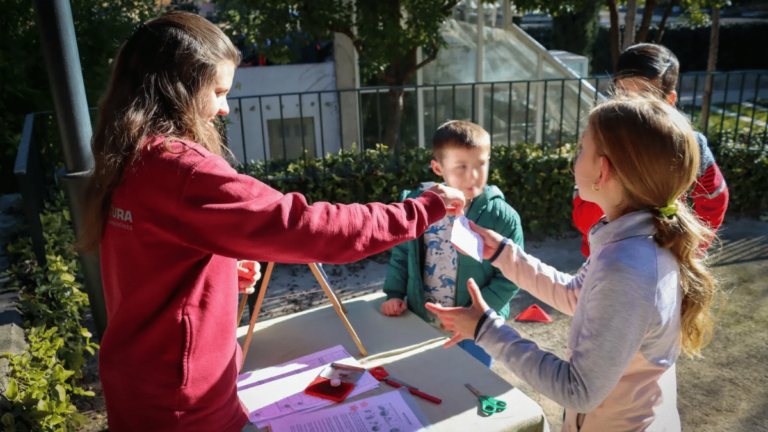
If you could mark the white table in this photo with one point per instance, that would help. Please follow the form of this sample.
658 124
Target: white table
410 350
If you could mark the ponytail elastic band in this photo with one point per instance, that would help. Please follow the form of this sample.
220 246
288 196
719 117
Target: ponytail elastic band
668 211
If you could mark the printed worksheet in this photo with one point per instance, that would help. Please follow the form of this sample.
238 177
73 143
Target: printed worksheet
278 391
394 411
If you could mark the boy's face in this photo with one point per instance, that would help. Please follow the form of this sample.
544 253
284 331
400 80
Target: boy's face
465 169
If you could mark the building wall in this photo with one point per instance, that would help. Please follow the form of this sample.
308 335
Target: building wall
260 120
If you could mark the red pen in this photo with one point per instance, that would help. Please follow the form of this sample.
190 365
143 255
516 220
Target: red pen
382 375
415 392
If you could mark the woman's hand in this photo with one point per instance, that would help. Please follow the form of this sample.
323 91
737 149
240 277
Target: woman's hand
461 321
248 272
453 198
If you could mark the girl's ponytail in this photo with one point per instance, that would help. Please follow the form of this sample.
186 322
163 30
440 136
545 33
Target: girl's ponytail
684 235
655 156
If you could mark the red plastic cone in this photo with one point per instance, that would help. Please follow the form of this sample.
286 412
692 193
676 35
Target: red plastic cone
534 313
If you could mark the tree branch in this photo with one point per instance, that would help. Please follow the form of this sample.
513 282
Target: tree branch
387 79
348 33
664 19
450 5
645 24
423 63
615 33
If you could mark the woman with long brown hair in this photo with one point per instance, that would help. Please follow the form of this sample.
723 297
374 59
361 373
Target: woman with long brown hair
170 218
643 295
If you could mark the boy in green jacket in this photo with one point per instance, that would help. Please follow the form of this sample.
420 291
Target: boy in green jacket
429 269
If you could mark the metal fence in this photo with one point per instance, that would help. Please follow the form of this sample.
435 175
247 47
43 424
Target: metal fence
288 126
293 126
550 112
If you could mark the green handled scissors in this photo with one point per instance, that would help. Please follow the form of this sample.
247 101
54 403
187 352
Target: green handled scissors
488 404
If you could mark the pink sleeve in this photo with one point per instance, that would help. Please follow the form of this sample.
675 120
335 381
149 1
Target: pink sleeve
557 289
234 215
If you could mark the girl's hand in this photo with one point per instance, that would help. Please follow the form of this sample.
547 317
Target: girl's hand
462 321
248 272
453 198
491 240
393 307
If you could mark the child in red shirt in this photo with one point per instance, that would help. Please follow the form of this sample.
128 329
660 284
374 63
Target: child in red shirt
170 218
654 68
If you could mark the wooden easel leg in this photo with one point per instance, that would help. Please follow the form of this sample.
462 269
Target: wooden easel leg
241 309
256 309
337 306
325 278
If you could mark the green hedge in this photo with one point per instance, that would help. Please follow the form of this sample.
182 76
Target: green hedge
746 172
537 182
42 380
531 178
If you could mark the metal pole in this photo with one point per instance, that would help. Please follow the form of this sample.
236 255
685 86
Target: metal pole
57 38
479 64
420 100
540 95
507 16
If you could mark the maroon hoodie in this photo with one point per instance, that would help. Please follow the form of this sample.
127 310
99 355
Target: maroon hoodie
180 219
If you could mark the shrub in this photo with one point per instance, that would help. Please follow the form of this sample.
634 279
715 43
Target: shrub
42 380
745 170
537 182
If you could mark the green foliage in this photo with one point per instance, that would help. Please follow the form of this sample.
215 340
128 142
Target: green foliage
40 387
386 34
100 28
745 170
576 31
688 42
536 182
348 177
42 379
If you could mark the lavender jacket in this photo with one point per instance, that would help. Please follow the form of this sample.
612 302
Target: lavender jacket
619 372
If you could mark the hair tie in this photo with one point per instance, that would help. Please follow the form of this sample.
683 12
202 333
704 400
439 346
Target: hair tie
668 211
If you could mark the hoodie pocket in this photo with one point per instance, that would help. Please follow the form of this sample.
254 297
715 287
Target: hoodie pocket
187 353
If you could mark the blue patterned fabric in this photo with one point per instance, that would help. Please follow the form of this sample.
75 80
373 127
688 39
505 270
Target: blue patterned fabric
439 266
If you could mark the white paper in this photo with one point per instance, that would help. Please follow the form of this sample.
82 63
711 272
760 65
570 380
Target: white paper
278 391
382 413
467 240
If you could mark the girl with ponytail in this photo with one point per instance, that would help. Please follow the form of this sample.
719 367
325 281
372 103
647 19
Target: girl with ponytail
644 294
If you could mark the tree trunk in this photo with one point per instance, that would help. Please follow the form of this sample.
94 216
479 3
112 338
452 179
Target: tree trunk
395 117
629 24
642 35
711 65
615 33
664 19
